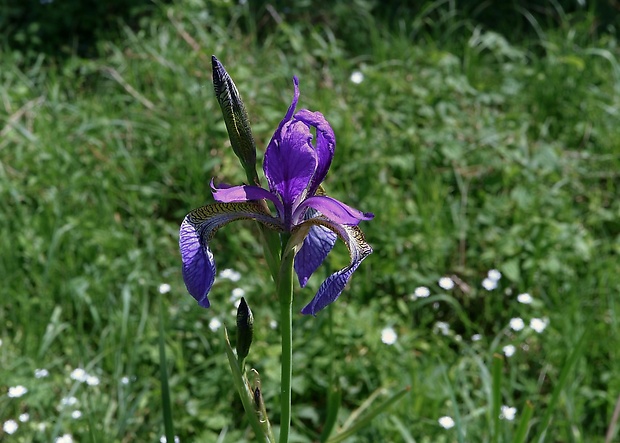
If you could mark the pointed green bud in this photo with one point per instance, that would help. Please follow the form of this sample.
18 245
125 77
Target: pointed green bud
245 330
236 119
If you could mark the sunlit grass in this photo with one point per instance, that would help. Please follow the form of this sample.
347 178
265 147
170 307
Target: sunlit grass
492 168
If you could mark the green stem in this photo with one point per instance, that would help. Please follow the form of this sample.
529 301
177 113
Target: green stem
285 295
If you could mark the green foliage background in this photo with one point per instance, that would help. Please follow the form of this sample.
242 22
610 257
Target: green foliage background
476 148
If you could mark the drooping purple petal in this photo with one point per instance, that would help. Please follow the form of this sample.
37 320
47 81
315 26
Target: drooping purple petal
198 263
289 164
324 145
317 244
196 231
333 286
228 194
333 209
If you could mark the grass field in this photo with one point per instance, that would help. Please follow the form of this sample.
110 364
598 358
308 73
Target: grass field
487 157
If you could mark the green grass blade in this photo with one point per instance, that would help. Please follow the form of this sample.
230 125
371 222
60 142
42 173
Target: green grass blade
163 374
496 389
566 369
365 419
524 423
334 397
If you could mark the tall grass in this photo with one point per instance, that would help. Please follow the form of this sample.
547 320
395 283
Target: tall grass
475 151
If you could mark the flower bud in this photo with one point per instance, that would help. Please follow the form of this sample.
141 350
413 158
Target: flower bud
245 329
236 119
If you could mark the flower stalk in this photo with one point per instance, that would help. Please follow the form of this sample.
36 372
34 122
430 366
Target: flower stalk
285 297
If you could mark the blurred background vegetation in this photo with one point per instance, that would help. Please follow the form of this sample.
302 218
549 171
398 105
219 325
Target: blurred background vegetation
483 135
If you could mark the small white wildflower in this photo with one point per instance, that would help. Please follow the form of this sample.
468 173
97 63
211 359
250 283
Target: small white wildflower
538 324
230 274
68 401
476 337
388 336
66 438
215 324
42 426
442 327
125 380
92 380
236 294
273 324
164 288
41 373
509 350
10 426
76 414
446 422
494 275
525 298
357 77
508 413
24 417
489 284
79 374
163 439
446 283
516 324
422 292
17 391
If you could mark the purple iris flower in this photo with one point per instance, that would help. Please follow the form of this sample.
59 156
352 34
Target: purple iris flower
295 164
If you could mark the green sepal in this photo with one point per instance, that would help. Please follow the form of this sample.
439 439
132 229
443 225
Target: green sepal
236 119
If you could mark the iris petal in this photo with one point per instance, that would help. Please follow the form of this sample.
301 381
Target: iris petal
196 231
317 244
228 194
290 164
333 286
334 210
325 144
198 263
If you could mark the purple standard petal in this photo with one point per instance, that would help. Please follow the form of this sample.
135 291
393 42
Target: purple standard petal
325 144
317 244
333 209
333 286
196 231
291 108
289 164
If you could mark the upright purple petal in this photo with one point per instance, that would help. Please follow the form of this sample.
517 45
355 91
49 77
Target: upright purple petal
333 286
325 144
333 209
196 231
276 139
289 164
317 244
291 108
